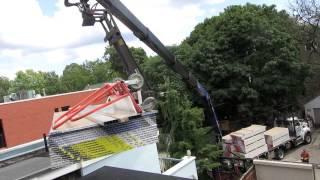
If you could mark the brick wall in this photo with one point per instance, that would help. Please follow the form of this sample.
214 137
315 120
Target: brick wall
25 121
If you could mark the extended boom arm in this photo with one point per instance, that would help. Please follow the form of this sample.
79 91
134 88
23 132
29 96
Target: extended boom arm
116 8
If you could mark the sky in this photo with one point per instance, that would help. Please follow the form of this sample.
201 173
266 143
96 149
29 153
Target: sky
43 35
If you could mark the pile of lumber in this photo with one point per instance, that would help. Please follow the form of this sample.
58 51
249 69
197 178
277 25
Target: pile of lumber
276 136
228 147
246 143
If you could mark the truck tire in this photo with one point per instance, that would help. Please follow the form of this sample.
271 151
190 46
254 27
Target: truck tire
288 145
308 138
279 153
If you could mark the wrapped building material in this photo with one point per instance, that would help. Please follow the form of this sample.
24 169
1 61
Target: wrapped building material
245 142
228 150
250 147
248 142
227 139
276 136
256 128
254 153
248 132
227 146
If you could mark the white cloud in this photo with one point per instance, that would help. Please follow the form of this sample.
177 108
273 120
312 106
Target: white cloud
29 39
214 1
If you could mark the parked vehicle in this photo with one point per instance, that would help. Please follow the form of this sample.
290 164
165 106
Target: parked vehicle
299 133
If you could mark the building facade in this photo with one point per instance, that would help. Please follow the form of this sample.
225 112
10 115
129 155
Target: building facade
312 109
27 120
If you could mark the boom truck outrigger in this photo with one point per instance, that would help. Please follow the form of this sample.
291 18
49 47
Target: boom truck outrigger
104 15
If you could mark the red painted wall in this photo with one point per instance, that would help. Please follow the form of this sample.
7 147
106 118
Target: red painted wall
25 121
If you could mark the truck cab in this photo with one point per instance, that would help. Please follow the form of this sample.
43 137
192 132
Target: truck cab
299 129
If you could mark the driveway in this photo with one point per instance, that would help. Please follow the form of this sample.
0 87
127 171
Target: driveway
313 149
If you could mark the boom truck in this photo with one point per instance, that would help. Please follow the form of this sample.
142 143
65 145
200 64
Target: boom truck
103 12
254 142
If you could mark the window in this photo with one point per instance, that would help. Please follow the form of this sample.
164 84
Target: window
65 108
2 138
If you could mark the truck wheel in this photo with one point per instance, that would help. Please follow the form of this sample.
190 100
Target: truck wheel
307 138
288 145
279 154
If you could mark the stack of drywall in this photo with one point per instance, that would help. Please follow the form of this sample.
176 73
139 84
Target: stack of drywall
276 136
227 146
249 142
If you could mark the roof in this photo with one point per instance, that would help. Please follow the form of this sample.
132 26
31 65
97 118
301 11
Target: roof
94 86
125 174
312 100
25 168
45 97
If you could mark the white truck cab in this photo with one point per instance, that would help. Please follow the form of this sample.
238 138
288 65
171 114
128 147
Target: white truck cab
299 129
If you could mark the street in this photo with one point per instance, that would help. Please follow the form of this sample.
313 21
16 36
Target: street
313 149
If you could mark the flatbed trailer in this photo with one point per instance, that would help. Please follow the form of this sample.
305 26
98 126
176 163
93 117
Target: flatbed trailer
278 152
235 166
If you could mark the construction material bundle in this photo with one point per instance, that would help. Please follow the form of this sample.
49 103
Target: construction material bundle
81 144
107 122
276 136
228 147
248 142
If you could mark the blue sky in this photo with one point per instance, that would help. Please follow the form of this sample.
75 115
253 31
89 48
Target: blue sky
50 36
48 7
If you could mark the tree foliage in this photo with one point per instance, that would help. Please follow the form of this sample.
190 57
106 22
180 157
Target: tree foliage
75 77
184 125
52 83
306 13
4 87
117 64
180 122
28 80
248 60
48 82
100 71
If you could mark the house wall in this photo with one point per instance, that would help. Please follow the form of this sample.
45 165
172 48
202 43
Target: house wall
309 109
27 120
266 170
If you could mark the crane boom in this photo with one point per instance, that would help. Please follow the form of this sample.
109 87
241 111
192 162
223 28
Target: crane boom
118 9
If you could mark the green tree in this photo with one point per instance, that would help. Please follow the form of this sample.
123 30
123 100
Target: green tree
181 124
75 77
28 80
117 64
156 72
4 87
100 71
248 59
52 83
306 13
185 129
